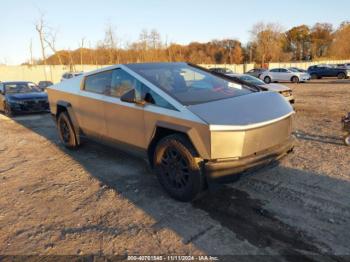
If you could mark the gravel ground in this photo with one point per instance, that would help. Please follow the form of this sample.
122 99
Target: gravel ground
98 200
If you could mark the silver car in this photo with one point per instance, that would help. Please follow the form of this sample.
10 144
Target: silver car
194 127
285 91
284 75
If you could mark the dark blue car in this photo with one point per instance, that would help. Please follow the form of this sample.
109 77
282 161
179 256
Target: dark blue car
22 97
319 71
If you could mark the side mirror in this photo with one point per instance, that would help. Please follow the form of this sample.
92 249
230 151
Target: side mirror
130 97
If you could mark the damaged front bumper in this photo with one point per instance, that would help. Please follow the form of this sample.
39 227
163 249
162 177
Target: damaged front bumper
216 169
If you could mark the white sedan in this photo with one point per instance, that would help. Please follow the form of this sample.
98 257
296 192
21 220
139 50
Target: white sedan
285 91
284 75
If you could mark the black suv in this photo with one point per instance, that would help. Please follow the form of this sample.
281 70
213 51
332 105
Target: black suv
319 71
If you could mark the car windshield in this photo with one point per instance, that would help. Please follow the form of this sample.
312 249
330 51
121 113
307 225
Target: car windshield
227 71
189 84
251 79
294 70
14 88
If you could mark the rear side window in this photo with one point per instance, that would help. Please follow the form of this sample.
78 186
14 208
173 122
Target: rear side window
274 70
98 83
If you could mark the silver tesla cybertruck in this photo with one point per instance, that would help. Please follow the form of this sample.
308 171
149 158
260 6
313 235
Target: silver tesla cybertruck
193 126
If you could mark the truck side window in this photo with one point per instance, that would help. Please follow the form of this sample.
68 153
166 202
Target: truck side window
122 83
98 83
151 97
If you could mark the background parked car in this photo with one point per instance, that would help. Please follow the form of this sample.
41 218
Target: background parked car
319 71
22 97
256 72
346 66
44 84
221 70
281 89
284 75
296 69
70 75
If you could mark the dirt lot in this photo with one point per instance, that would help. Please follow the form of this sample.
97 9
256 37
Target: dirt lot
98 200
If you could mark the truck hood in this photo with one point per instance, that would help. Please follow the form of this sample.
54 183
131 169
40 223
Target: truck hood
243 112
27 96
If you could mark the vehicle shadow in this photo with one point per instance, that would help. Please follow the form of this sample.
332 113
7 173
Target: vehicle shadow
215 222
319 138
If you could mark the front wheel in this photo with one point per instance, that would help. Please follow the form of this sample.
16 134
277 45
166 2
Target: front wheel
295 79
314 76
347 139
7 110
177 169
66 131
341 76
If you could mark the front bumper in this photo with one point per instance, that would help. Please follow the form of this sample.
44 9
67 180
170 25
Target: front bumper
305 78
30 107
290 99
215 169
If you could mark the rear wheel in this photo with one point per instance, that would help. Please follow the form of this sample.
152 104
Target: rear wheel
347 139
314 76
7 110
66 131
177 169
295 79
267 79
341 76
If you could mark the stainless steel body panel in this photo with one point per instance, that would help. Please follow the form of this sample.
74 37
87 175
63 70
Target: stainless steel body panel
91 114
242 143
124 122
243 111
228 129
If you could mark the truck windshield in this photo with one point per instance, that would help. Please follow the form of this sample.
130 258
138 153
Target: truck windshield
188 84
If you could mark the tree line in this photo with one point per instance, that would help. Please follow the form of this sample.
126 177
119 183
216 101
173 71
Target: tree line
268 43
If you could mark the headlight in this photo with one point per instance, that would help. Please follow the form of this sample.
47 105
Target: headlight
286 93
17 102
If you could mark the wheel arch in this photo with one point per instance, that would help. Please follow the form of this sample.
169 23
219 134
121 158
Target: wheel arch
159 133
64 106
291 79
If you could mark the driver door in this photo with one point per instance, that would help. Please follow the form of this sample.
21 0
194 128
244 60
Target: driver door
124 121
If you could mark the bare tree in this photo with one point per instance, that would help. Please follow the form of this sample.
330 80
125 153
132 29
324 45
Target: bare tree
111 43
81 52
40 28
31 62
50 40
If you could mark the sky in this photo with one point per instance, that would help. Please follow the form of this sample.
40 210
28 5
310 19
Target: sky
180 21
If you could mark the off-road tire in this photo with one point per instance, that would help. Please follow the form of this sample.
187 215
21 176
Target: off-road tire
66 131
178 168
